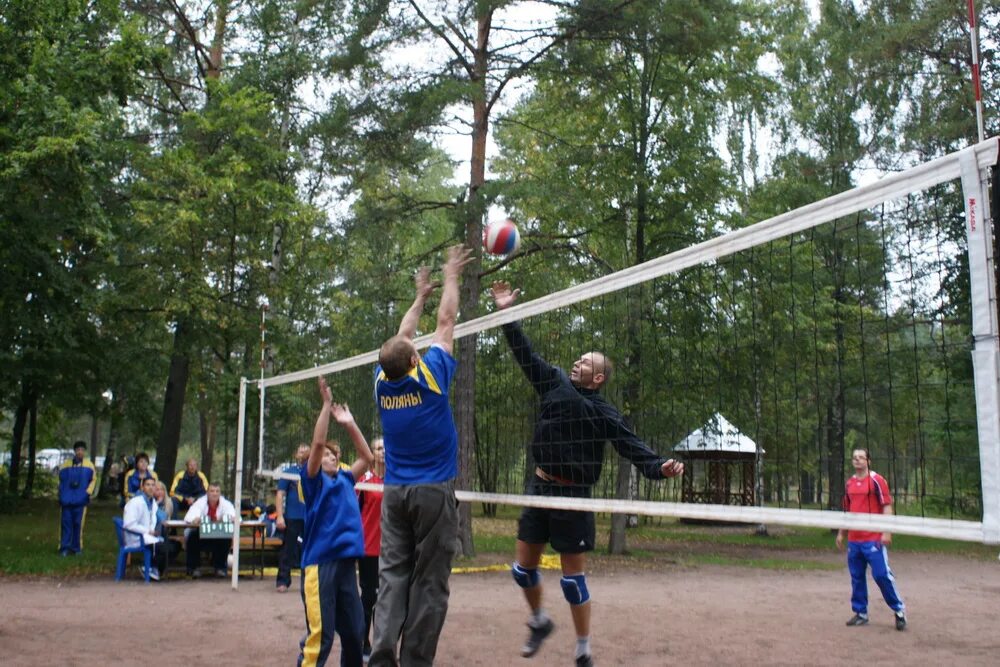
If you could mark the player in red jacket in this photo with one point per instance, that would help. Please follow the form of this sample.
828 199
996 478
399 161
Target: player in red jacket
371 524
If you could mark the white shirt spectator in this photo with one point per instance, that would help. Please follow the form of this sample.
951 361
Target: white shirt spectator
139 516
199 510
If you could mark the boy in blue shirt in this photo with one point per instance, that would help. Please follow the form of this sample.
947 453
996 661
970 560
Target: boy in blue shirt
332 541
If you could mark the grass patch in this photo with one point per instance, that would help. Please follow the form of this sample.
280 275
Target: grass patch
788 564
29 542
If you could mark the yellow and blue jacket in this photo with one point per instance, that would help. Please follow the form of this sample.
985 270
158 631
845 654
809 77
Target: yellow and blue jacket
76 482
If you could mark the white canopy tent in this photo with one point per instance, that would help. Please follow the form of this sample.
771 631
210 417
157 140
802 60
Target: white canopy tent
717 435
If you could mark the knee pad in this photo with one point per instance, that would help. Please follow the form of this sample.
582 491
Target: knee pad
525 578
574 588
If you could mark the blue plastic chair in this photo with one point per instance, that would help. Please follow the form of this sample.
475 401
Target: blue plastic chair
124 551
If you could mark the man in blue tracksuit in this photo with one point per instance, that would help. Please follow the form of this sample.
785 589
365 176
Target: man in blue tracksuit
76 484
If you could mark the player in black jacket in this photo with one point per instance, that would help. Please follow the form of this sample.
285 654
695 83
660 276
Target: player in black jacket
574 423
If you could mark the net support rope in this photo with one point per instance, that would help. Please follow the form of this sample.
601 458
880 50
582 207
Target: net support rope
968 164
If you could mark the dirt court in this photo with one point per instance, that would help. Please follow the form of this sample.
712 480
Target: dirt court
704 615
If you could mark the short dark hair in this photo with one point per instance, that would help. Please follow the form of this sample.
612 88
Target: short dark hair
79 444
215 484
142 455
394 357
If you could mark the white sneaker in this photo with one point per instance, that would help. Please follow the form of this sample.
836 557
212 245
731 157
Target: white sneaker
154 574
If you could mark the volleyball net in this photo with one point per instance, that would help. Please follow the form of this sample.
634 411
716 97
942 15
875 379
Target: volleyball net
761 358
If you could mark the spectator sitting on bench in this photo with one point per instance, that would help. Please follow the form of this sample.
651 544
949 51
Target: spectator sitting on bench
140 517
210 507
135 477
164 511
189 485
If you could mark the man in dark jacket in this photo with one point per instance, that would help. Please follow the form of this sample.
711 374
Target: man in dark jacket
76 484
574 423
189 485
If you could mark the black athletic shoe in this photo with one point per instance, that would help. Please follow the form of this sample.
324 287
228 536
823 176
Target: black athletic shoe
858 619
900 621
584 661
536 638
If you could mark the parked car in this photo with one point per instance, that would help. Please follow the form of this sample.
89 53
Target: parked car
51 459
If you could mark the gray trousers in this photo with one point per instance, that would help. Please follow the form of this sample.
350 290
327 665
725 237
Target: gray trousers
419 538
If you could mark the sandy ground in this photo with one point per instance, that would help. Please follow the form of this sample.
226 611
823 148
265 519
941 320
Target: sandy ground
704 615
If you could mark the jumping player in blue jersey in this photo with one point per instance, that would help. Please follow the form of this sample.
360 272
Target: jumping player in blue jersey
419 509
574 423
332 541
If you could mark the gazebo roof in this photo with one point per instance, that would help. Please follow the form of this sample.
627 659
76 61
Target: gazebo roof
717 435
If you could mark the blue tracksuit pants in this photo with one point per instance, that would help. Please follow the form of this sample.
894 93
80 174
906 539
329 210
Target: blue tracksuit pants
330 595
71 529
859 556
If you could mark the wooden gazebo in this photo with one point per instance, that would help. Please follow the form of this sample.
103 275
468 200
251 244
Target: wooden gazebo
720 464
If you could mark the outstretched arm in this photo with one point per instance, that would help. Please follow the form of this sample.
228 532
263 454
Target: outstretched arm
408 327
343 415
540 373
315 462
458 257
629 445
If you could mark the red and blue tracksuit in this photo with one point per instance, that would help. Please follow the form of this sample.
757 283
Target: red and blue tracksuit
869 495
76 484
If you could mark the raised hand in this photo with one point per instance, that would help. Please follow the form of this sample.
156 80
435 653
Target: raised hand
458 256
342 414
672 468
422 280
324 392
503 296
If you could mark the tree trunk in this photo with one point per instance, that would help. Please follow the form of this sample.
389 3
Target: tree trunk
17 438
173 405
110 452
206 428
29 483
469 293
93 437
213 67
114 415
616 540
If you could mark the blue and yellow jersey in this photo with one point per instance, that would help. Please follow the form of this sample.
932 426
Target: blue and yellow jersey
332 521
133 482
294 507
421 444
76 482
189 486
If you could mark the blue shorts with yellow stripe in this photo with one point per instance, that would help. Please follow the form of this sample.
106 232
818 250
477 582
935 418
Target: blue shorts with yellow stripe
333 605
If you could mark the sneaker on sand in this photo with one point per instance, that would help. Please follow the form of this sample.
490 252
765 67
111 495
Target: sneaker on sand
584 661
154 574
282 589
194 574
221 574
900 621
858 619
536 637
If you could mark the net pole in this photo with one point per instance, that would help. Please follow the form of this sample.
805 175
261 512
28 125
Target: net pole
976 84
238 490
263 365
986 340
